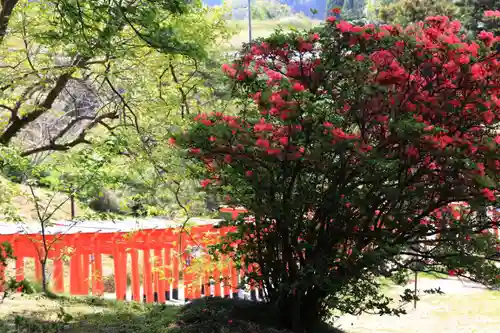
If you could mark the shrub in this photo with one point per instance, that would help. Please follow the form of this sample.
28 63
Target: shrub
214 314
359 151
233 326
109 283
9 284
222 310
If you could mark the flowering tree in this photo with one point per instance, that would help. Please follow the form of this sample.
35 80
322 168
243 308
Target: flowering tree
359 151
478 15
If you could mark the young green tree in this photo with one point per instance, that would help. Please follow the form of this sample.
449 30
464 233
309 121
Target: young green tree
87 91
74 72
59 57
410 11
359 151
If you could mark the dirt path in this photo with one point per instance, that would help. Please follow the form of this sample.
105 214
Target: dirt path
465 307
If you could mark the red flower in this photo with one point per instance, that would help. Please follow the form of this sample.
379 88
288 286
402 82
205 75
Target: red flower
263 126
212 138
344 26
249 173
283 140
488 194
359 57
331 19
488 116
382 57
195 150
492 13
298 87
228 70
171 141
486 37
273 151
305 47
229 321
262 143
336 10
477 71
205 182
452 272
413 152
227 159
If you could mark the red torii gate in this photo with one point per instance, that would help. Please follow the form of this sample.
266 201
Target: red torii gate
166 262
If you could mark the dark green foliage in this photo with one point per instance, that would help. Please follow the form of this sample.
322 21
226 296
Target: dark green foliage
94 26
472 15
266 10
409 11
106 202
216 315
11 285
222 310
351 9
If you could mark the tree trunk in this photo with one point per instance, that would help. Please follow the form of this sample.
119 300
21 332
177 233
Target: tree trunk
302 312
43 263
7 8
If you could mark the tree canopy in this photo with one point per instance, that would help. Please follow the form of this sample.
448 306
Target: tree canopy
359 151
103 83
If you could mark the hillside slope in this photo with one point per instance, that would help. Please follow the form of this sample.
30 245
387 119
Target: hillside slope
297 6
22 203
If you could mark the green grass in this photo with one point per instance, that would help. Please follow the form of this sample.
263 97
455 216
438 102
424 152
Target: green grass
41 314
264 28
485 304
432 276
469 310
459 311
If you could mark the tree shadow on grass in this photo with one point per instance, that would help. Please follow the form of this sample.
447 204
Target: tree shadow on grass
94 315
91 316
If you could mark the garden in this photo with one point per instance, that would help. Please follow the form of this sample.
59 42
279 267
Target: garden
364 153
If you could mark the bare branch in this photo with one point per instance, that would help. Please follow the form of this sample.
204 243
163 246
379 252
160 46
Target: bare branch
18 124
81 138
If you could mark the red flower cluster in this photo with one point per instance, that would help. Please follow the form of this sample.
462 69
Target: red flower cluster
492 13
425 97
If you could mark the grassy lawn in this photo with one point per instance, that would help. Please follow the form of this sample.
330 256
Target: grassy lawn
78 315
265 28
463 308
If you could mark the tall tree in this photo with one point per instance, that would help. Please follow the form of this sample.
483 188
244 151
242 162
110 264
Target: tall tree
54 50
409 11
472 15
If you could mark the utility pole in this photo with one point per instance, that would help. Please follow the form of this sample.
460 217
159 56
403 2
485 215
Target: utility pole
249 21
415 291
72 203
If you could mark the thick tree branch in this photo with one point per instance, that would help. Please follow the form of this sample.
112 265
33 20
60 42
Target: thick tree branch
81 138
7 9
17 124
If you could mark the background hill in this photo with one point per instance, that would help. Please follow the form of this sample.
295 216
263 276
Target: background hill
288 7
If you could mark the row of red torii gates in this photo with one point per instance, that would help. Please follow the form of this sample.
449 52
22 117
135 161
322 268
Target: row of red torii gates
162 262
